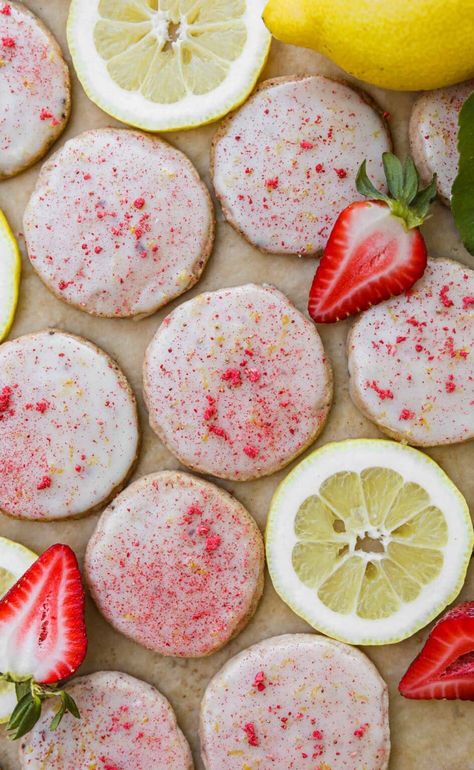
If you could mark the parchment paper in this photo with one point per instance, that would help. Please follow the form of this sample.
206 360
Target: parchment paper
426 735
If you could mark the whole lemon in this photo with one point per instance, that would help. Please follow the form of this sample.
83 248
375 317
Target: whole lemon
405 45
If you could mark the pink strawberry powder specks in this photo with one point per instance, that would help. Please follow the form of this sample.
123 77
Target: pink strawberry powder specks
133 222
292 170
176 564
51 416
423 345
217 372
124 723
325 707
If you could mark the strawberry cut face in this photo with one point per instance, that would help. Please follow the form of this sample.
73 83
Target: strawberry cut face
445 666
370 256
42 629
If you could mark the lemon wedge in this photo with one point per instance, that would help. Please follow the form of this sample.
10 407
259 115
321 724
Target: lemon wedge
14 561
10 271
368 540
164 65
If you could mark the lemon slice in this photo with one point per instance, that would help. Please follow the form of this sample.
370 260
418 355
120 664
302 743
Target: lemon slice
368 540
14 561
163 65
10 270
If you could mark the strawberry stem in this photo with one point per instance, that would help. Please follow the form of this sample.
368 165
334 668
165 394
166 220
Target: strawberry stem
405 199
30 696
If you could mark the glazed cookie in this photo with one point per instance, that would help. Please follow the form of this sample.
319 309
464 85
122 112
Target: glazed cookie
434 132
133 223
68 427
34 89
293 702
125 723
237 382
411 359
176 564
284 165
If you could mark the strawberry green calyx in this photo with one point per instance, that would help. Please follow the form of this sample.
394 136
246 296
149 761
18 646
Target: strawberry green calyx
30 696
405 199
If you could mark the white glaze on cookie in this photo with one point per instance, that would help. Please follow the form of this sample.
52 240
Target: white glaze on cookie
68 426
411 359
34 89
176 564
133 223
294 702
434 132
237 382
125 724
284 165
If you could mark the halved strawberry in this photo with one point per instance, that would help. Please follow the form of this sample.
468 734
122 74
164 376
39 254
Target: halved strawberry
375 249
43 635
445 666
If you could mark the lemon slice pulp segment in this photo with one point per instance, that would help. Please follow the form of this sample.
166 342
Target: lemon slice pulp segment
368 540
10 271
15 559
167 64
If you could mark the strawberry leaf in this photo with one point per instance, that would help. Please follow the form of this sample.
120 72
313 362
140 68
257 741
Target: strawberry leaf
424 199
394 174
365 186
462 202
21 689
410 180
68 704
71 706
58 716
19 711
28 719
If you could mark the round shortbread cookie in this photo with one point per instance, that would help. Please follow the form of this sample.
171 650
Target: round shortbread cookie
133 223
296 701
411 359
237 382
176 564
34 89
125 724
68 427
434 134
284 165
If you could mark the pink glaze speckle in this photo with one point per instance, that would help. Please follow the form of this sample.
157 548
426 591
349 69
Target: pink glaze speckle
34 88
237 382
176 564
411 359
296 702
132 222
125 724
68 426
285 163
434 132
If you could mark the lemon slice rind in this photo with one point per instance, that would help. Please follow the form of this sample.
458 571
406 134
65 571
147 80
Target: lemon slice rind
10 271
132 108
348 626
15 559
